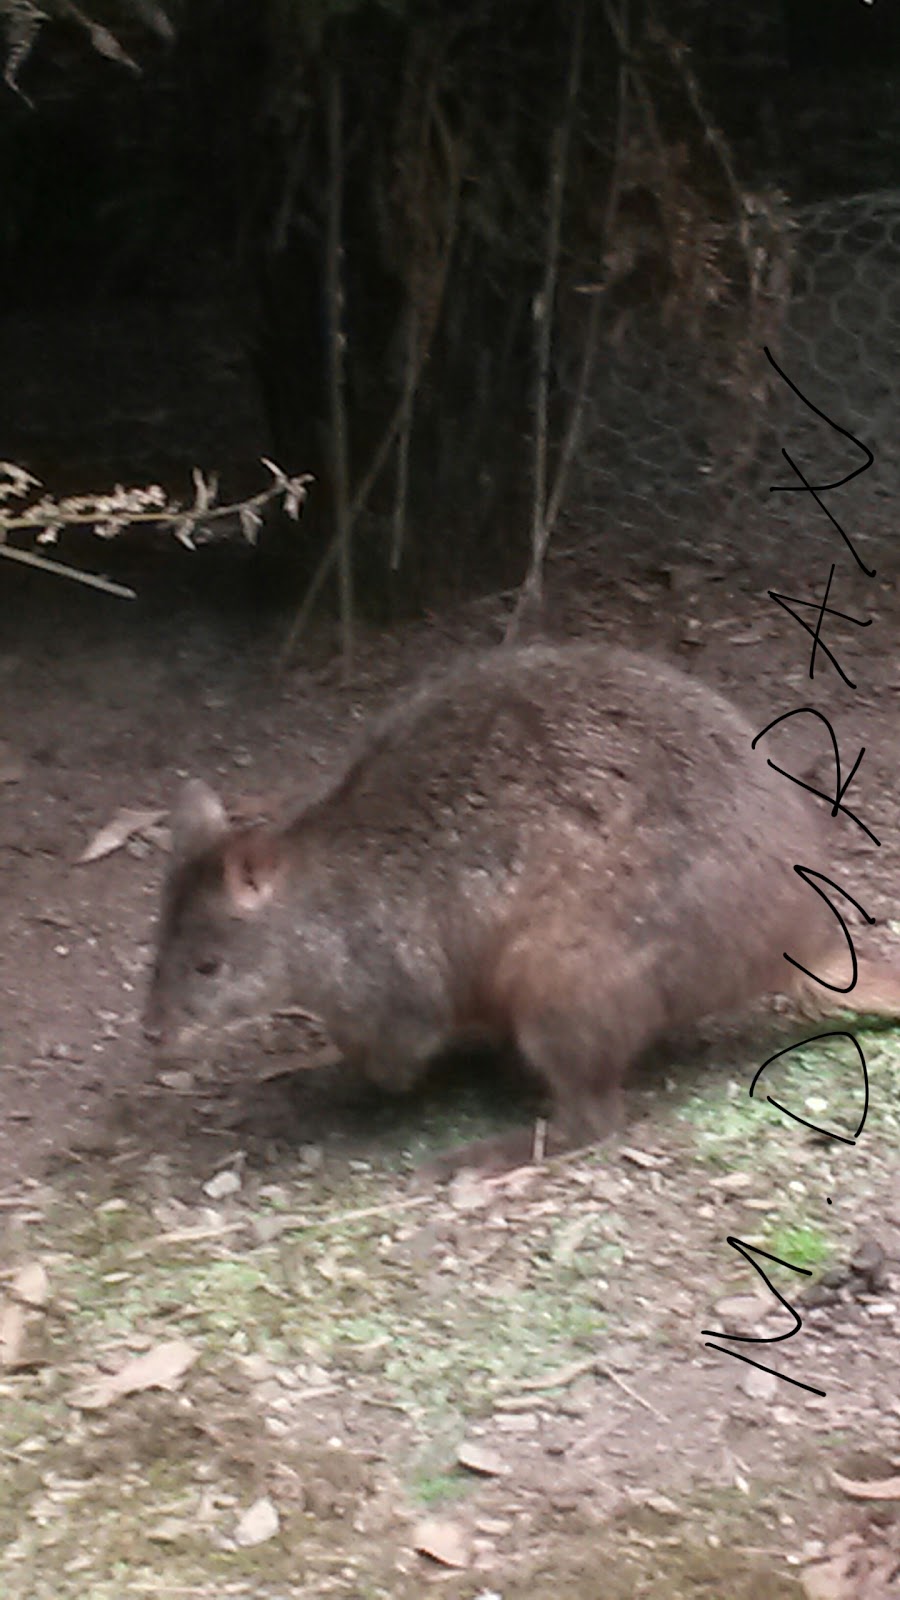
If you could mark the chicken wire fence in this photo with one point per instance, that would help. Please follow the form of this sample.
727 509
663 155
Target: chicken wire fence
683 431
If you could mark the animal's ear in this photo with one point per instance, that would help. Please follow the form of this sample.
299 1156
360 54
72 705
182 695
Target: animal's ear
198 820
253 866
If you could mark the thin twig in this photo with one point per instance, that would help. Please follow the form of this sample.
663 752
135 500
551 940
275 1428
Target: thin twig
329 555
298 625
560 1377
576 417
281 1223
607 1372
618 26
28 559
398 533
589 349
532 589
544 321
388 439
563 1376
336 348
622 32
402 1203
711 135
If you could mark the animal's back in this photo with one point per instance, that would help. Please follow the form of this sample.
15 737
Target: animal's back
603 783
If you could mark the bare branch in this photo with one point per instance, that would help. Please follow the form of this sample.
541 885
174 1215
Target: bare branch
109 514
29 559
413 375
589 349
532 589
398 533
104 42
336 348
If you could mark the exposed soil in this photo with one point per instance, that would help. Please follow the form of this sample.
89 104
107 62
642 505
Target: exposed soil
653 1468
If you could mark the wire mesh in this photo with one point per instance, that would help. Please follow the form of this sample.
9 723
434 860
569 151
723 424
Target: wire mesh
684 427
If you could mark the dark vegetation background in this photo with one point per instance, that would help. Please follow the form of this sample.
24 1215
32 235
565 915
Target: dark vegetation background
166 172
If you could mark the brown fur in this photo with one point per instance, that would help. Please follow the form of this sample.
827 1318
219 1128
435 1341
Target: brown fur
572 848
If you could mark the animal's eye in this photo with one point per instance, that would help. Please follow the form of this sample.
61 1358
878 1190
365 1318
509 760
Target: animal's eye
208 967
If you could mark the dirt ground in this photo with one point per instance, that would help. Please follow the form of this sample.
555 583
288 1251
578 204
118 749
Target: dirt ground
353 1340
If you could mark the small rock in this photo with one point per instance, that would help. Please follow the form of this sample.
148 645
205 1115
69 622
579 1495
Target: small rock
223 1184
259 1523
181 1081
759 1385
30 1285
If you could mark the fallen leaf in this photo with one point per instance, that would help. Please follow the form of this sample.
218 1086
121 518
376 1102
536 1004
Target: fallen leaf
517 1181
259 1523
478 1458
442 1540
662 1505
641 1158
559 1377
733 1182
871 1489
12 1334
469 1190
163 1367
31 1285
759 1385
179 1080
170 1530
739 1312
829 1580
222 1185
516 1422
117 832
753 636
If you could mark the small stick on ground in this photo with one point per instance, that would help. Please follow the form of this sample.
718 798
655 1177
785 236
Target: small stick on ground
563 1376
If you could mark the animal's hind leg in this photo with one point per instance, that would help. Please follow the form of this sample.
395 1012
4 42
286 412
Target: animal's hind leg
581 1068
582 1062
582 1005
578 1010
